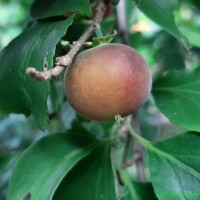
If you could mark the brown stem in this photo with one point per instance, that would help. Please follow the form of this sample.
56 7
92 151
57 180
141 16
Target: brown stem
138 149
122 21
64 61
137 158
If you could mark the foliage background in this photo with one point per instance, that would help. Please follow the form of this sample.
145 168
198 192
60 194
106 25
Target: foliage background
165 55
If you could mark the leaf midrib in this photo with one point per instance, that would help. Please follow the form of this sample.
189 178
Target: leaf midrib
173 159
176 90
149 146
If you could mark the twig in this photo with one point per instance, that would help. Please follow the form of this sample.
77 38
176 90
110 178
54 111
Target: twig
123 32
124 135
122 21
137 158
64 61
138 149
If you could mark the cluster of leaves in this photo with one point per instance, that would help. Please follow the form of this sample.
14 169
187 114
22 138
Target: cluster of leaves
76 163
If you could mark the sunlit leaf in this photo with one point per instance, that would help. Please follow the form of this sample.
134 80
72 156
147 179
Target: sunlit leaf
161 12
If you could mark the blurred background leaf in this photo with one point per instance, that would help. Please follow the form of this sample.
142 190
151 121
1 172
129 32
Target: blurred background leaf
13 18
161 12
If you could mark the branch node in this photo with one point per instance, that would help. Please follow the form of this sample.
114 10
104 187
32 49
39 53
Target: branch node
64 61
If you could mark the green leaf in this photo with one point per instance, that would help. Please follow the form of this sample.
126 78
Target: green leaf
190 27
196 3
44 164
92 178
171 158
174 169
114 2
161 12
18 92
56 93
192 34
137 190
168 48
104 39
50 8
177 95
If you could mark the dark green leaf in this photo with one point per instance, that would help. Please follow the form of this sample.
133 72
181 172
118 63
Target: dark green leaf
49 8
175 169
114 2
174 166
196 3
92 178
137 190
177 95
45 163
161 12
168 47
18 92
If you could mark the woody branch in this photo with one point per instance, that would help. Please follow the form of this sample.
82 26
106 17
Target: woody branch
64 61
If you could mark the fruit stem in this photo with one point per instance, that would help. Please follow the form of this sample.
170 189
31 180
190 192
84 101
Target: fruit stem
118 119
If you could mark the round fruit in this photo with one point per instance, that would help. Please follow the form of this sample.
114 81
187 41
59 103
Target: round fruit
107 81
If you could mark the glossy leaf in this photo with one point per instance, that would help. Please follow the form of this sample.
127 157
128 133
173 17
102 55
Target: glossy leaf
175 169
92 178
161 12
18 92
45 163
174 166
50 8
177 95
137 190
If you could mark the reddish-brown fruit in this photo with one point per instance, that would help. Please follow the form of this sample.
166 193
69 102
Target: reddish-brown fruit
106 81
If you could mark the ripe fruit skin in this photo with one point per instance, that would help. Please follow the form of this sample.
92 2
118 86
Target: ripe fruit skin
107 80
